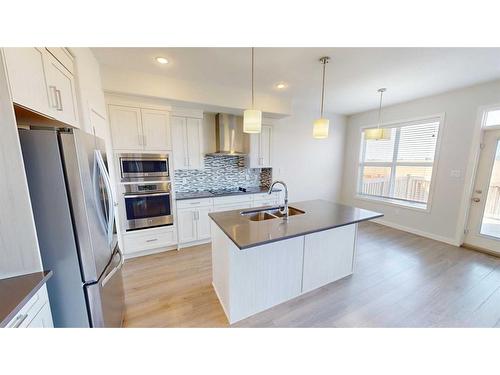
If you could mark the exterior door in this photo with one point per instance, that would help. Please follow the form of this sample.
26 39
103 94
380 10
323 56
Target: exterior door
483 230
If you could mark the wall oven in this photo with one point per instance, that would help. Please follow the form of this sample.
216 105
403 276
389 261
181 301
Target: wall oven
147 205
144 167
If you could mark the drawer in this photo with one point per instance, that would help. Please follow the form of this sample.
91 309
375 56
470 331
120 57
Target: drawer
189 203
30 309
232 199
266 196
135 242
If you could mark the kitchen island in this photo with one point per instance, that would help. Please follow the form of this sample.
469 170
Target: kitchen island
260 260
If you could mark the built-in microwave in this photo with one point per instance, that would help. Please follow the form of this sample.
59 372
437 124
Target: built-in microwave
147 205
144 167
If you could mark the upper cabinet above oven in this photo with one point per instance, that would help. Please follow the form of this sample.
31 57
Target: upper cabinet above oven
139 129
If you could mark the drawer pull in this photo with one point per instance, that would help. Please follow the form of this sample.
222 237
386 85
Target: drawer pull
19 320
152 240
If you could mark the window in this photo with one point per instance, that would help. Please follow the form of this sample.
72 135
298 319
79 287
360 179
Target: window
400 169
492 118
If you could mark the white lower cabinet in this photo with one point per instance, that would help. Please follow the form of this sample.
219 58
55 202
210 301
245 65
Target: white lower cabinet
148 239
193 222
35 313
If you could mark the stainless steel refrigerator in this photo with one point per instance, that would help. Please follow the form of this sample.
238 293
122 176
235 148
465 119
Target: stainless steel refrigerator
73 207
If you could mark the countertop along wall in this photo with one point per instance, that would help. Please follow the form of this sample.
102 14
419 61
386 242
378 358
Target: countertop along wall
446 217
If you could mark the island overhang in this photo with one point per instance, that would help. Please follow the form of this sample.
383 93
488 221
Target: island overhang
319 215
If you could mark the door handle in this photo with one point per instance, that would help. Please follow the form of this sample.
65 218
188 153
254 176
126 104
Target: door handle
59 100
19 320
53 89
476 200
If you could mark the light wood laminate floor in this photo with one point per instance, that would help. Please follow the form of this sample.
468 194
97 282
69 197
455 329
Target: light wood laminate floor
400 280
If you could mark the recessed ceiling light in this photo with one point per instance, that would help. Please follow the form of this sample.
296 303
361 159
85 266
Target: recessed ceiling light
162 60
281 85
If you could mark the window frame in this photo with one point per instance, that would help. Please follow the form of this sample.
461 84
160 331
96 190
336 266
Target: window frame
421 207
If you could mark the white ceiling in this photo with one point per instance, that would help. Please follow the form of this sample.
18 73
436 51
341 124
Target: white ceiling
353 75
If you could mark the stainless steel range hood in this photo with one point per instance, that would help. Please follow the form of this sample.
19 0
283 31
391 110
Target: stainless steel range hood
229 136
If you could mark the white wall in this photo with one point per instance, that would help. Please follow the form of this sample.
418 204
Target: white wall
312 168
444 221
136 83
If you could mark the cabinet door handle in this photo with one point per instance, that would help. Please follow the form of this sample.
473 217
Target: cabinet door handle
59 100
53 97
19 320
152 240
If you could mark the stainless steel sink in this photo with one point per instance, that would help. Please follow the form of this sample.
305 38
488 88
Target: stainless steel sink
270 213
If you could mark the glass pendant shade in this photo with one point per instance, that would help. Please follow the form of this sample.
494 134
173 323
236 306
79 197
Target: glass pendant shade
252 121
377 134
320 128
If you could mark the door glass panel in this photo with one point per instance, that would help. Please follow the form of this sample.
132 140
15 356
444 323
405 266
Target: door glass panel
147 206
490 225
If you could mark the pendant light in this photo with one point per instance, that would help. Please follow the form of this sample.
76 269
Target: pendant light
321 125
378 133
252 118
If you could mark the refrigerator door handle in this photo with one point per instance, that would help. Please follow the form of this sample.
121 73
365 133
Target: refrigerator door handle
114 270
99 163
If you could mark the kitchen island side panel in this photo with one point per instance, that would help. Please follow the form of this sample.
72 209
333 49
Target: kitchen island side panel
328 256
264 276
221 245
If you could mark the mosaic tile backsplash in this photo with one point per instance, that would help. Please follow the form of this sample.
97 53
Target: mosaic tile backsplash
221 172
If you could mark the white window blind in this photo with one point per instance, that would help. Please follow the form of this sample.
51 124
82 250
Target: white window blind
400 168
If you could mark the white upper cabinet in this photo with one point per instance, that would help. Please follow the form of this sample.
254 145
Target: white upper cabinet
125 127
139 129
61 84
26 71
42 83
260 150
187 142
156 129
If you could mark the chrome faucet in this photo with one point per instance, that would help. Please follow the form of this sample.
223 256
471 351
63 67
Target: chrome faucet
284 209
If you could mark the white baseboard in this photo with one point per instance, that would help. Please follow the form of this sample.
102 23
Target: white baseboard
448 240
194 243
149 252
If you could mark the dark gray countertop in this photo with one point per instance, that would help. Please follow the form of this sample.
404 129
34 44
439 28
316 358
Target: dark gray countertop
16 291
319 215
207 194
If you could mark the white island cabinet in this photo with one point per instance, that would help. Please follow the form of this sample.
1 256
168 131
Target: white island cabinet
259 264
